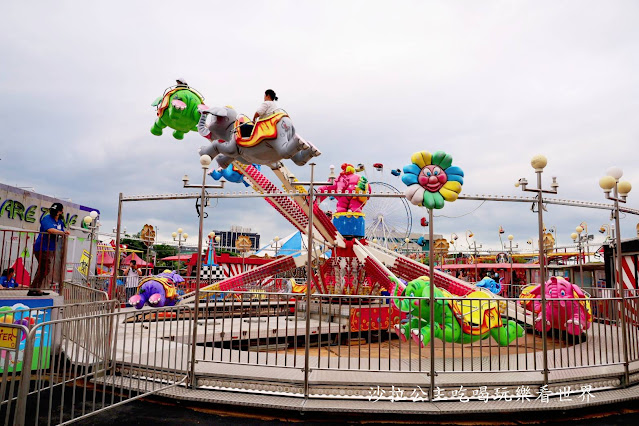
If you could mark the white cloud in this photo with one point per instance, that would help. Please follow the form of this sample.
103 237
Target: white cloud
493 83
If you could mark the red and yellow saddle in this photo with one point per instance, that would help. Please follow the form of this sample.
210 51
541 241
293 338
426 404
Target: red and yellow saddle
265 128
170 290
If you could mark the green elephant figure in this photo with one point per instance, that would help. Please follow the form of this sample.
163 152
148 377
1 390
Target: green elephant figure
178 109
451 320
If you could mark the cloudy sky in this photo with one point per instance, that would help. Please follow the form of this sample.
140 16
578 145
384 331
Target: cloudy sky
492 82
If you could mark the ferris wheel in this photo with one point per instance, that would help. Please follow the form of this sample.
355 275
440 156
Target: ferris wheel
388 220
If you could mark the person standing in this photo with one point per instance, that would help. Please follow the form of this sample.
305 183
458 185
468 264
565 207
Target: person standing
132 274
268 107
51 228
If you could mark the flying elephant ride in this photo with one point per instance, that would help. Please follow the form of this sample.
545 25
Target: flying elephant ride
568 308
157 291
178 110
457 320
235 137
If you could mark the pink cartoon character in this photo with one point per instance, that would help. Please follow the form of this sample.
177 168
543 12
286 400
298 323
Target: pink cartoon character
572 314
347 181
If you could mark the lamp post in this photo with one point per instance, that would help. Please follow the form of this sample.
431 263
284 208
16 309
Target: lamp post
553 230
620 192
584 227
205 161
512 282
180 237
406 242
276 240
576 237
469 234
538 163
92 224
453 241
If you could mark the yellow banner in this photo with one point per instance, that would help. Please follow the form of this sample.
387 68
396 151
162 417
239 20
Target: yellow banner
9 338
85 260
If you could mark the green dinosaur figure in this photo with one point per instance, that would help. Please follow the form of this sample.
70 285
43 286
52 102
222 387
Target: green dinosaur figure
451 324
178 109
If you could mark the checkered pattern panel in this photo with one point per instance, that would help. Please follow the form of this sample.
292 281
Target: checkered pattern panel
213 273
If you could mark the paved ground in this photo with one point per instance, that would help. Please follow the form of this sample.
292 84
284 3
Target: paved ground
165 412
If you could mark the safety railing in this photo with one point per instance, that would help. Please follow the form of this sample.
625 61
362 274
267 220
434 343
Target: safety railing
371 334
80 293
86 358
44 269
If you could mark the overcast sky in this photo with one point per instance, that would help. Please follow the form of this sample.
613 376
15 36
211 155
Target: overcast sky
492 82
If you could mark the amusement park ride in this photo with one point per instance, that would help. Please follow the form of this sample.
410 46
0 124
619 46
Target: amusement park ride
360 262
358 265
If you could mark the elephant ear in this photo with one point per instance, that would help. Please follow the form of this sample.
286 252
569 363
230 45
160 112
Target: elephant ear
577 291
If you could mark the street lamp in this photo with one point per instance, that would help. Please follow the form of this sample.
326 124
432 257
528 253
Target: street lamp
276 239
538 163
512 282
406 241
205 162
92 224
469 234
180 236
453 240
610 183
576 237
584 226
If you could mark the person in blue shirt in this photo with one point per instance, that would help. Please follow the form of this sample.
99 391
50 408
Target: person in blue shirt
7 280
51 228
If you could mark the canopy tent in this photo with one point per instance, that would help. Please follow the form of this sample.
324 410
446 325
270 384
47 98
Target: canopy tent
133 256
105 258
288 246
181 258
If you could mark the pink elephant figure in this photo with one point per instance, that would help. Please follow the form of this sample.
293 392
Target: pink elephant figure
573 316
347 181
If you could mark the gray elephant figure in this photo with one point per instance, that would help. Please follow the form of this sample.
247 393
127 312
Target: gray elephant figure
233 137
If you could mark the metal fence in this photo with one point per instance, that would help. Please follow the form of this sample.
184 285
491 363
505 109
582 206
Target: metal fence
86 358
77 360
46 267
359 333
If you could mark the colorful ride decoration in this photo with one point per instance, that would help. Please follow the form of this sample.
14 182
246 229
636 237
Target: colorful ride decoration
474 317
432 179
178 110
348 217
11 345
573 316
268 141
490 285
350 224
347 182
157 291
231 174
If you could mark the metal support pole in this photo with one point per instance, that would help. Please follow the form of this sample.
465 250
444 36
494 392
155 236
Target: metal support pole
90 249
475 260
309 274
620 285
116 256
511 280
431 300
542 276
196 307
581 264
